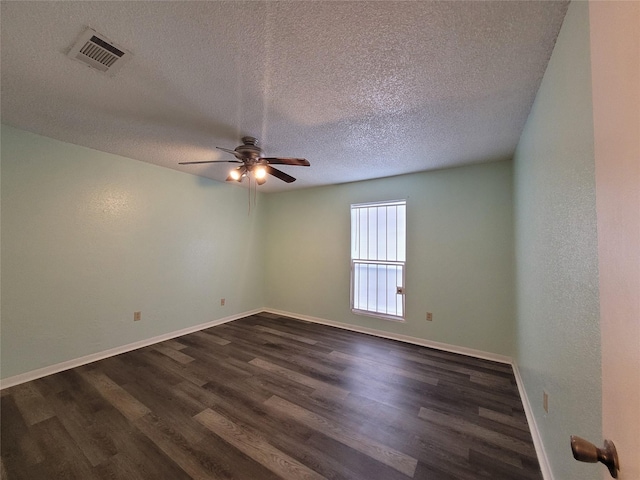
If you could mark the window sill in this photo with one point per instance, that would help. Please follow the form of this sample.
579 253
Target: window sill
365 313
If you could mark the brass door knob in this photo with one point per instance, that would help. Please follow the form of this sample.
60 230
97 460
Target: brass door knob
585 451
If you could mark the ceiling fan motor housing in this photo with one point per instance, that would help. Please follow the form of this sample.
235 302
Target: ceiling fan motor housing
250 150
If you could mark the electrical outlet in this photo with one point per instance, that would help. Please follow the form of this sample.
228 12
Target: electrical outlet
222 302
429 317
545 401
137 316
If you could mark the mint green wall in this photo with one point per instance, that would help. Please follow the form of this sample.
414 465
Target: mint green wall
459 254
89 237
557 332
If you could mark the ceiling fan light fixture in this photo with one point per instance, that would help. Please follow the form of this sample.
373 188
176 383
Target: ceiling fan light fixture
237 174
260 172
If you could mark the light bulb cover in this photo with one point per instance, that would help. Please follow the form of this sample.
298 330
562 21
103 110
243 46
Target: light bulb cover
260 172
237 174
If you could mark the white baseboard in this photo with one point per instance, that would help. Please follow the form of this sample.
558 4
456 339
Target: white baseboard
76 362
545 466
396 336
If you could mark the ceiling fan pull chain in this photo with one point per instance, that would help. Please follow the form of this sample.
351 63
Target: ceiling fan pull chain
249 198
255 194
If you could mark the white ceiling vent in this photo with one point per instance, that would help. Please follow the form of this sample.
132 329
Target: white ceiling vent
97 51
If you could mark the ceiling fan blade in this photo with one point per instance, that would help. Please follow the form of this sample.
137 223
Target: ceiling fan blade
302 162
281 175
232 152
210 161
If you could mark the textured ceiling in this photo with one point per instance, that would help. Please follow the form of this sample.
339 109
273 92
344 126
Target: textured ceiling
361 89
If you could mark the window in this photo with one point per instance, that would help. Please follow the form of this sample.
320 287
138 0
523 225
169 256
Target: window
378 255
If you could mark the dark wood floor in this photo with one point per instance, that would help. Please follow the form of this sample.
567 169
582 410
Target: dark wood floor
268 397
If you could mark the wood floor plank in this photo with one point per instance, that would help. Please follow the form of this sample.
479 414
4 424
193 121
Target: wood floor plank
227 368
175 344
70 384
256 447
386 368
31 403
434 446
318 385
121 465
245 404
356 464
499 455
271 397
116 395
386 423
172 409
92 442
388 389
176 447
209 336
309 362
156 361
136 452
19 448
502 418
51 384
401 462
122 369
176 355
63 458
478 393
291 336
499 470
270 385
3 471
462 425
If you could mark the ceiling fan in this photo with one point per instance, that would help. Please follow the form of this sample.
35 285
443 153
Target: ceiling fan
253 161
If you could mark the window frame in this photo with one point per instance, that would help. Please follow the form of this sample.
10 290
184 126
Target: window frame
401 263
